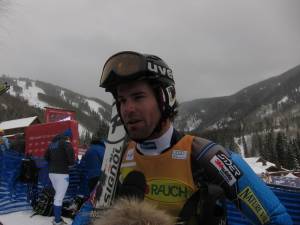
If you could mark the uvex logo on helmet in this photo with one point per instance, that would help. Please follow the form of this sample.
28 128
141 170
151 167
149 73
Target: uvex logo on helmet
160 70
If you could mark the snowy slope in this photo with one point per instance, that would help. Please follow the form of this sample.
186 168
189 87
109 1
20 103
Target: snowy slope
30 94
30 90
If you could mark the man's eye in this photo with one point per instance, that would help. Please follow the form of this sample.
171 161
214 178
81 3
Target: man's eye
121 100
139 97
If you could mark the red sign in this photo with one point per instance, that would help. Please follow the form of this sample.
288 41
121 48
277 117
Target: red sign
54 115
39 136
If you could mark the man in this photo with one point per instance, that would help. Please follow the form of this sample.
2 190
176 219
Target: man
186 175
60 156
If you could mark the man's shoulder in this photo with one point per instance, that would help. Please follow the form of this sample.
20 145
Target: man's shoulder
199 142
200 145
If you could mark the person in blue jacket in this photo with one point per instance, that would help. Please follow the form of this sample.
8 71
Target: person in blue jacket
186 175
93 161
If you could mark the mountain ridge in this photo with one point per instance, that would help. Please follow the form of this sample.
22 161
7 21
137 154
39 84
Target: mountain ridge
280 94
272 97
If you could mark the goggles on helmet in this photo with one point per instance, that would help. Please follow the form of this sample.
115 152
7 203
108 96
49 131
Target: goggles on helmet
128 65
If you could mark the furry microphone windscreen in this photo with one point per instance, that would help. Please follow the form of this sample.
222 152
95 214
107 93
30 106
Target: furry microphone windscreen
132 211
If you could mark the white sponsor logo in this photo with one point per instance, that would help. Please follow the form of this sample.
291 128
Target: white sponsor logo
223 170
178 154
130 155
160 69
233 168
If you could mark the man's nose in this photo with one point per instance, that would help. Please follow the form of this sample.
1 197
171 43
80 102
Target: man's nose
129 106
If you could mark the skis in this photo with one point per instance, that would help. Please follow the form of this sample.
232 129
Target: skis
3 87
103 194
111 161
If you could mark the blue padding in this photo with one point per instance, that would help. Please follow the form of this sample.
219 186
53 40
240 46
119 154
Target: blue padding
290 198
14 195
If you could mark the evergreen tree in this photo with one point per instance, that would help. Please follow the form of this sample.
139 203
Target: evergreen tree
269 147
296 149
291 157
280 149
257 145
102 130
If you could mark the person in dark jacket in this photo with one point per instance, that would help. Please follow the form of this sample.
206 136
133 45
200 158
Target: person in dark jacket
60 156
93 161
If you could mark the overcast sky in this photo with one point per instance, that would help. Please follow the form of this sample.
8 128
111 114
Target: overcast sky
215 48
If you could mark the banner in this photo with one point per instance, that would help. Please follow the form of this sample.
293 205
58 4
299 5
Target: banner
39 136
54 115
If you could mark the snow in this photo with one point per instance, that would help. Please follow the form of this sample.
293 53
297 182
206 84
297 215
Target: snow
11 124
83 130
62 94
31 94
192 123
94 105
239 143
4 106
283 100
75 104
258 167
265 110
291 175
24 218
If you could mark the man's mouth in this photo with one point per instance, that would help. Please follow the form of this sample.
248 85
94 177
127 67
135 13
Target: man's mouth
133 122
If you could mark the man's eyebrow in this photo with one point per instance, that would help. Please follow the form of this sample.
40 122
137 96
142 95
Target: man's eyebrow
138 93
132 94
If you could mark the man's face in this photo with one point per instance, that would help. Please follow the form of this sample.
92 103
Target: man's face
139 109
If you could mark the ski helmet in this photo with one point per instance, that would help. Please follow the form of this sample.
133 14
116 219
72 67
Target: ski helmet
129 66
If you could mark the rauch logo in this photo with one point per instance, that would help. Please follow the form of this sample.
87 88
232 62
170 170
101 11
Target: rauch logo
168 191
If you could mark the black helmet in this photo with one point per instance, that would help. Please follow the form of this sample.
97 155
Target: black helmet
129 66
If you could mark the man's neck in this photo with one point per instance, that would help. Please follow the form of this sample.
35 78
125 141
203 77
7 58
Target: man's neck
157 145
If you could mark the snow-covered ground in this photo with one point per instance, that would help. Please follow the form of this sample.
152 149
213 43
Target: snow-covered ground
23 218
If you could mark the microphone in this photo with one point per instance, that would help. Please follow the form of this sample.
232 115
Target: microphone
134 185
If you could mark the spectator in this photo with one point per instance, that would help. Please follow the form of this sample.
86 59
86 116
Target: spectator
60 156
93 161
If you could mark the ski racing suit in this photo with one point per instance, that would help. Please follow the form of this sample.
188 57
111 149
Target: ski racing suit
192 162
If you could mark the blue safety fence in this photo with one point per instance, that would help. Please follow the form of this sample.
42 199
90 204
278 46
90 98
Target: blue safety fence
15 195
290 198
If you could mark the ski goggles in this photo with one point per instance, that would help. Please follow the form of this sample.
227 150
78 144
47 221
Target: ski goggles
128 65
122 65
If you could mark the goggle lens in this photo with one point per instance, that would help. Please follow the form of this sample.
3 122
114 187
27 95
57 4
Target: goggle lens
123 64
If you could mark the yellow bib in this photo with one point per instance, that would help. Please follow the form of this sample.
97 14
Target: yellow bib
169 175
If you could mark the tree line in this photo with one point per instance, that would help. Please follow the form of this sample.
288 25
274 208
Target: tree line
276 146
